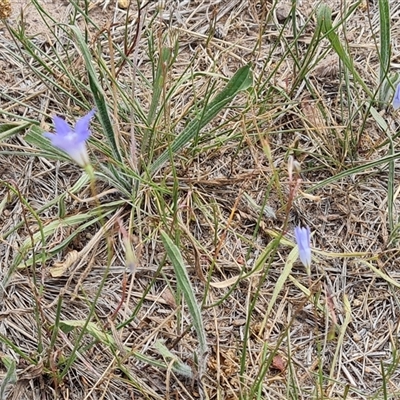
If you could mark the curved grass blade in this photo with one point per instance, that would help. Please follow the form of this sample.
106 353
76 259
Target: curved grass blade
82 221
324 22
11 129
292 257
10 377
186 287
174 360
165 60
355 170
98 94
384 50
242 80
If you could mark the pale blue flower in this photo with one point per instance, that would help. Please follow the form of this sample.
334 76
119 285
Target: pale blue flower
72 141
303 241
396 97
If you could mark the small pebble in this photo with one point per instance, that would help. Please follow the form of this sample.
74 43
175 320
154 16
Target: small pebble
357 338
5 9
283 11
124 4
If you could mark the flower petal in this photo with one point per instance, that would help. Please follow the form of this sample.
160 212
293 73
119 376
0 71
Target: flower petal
49 136
72 142
82 126
62 126
303 241
79 154
64 143
396 97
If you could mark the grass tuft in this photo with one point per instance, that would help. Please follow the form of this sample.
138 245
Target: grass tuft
168 268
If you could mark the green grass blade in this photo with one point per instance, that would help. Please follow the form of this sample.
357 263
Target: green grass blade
92 328
186 287
355 170
381 274
179 366
384 56
341 338
98 94
159 81
11 376
9 130
292 257
242 80
324 21
81 221
164 62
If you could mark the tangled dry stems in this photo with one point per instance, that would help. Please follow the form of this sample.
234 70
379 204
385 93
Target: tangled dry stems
349 216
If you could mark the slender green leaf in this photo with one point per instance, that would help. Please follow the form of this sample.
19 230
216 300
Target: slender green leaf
11 375
292 257
186 288
163 62
83 220
91 328
384 51
355 170
340 341
324 22
9 130
242 80
381 274
178 364
98 93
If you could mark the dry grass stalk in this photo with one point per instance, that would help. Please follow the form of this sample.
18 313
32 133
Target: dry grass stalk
349 218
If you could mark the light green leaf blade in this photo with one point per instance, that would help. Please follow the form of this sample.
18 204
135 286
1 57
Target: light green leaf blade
178 365
12 129
384 51
358 169
98 93
91 328
324 21
242 80
292 257
186 288
10 377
